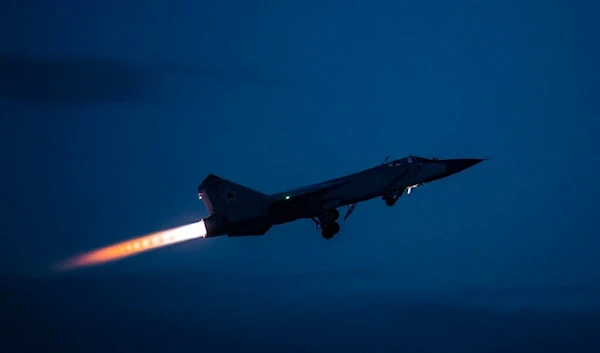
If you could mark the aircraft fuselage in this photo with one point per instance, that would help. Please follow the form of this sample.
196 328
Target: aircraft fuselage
321 201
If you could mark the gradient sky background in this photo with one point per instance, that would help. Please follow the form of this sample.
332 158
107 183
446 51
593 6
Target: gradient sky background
279 94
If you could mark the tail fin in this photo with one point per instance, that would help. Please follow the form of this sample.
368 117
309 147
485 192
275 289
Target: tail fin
225 197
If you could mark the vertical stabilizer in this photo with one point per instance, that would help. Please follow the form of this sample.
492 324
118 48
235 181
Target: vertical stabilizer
234 201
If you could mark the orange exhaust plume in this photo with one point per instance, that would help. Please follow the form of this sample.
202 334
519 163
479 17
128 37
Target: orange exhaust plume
135 246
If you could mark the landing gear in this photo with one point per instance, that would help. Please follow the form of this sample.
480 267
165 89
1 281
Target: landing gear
391 199
330 229
327 223
332 215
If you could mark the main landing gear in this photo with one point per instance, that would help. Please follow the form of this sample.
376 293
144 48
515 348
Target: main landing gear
328 230
328 224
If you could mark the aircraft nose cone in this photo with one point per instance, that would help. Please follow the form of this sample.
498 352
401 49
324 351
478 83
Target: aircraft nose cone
456 165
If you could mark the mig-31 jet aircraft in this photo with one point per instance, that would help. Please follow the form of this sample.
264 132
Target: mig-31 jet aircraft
236 210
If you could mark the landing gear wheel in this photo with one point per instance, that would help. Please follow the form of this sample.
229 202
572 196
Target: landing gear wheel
327 234
390 199
330 229
333 215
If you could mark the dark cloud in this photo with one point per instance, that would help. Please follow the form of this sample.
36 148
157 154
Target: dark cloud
71 80
66 79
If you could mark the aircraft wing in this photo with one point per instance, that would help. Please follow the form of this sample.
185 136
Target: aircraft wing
305 194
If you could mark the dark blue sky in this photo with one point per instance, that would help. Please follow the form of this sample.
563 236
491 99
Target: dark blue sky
280 94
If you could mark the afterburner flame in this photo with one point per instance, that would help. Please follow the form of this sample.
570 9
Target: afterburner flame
137 245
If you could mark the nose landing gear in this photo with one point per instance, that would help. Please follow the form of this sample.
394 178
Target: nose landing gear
391 199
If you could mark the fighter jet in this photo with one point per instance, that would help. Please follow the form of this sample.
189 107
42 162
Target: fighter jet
236 210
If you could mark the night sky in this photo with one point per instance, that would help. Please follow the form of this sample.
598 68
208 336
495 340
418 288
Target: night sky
281 94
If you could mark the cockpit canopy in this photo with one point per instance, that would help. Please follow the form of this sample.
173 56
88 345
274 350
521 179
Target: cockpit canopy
408 160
